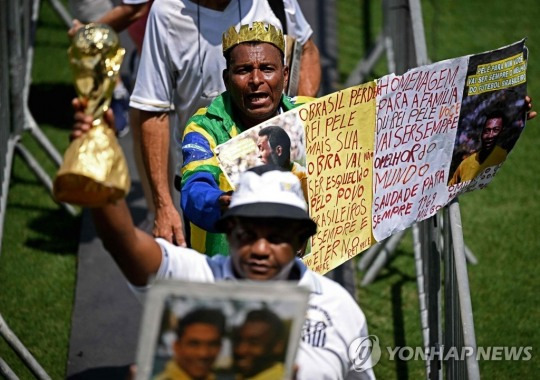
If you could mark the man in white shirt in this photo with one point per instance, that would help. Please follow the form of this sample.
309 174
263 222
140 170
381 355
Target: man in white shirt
181 70
266 224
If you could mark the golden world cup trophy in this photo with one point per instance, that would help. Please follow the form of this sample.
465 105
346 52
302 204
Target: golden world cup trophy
94 171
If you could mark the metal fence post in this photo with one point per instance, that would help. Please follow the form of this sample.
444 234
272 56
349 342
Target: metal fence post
62 12
21 351
7 144
462 282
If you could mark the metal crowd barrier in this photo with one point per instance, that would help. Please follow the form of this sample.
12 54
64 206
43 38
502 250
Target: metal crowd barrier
18 26
7 144
446 314
18 20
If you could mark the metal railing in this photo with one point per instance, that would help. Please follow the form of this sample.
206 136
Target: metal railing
18 21
446 314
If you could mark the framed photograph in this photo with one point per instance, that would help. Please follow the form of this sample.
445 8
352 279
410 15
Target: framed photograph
225 330
245 151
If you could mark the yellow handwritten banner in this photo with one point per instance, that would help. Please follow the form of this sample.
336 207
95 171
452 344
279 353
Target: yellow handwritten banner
339 159
498 75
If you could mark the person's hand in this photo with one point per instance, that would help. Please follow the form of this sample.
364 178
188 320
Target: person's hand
168 225
295 372
528 108
224 202
83 122
76 25
131 373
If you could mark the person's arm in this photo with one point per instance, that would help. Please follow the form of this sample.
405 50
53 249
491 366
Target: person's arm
155 152
203 201
119 18
136 253
123 15
310 70
310 66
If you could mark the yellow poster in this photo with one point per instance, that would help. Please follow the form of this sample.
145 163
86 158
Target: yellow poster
339 131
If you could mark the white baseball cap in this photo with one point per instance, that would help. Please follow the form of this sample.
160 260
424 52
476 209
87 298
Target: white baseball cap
267 191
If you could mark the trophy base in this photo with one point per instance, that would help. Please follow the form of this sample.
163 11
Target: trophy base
94 171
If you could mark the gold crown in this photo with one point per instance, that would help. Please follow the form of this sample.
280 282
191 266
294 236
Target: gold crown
258 31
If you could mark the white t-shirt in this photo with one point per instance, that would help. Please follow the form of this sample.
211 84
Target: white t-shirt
182 62
333 319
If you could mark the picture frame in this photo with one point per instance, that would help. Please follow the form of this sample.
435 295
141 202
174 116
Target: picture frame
171 301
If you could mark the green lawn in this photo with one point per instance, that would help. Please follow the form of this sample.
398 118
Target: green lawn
38 262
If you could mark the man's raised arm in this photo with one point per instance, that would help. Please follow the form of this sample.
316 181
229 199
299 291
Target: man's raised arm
136 253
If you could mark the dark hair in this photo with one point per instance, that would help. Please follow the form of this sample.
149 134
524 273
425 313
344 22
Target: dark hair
207 316
495 114
277 136
227 54
269 317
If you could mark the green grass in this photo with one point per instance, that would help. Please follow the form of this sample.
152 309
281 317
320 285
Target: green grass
38 263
